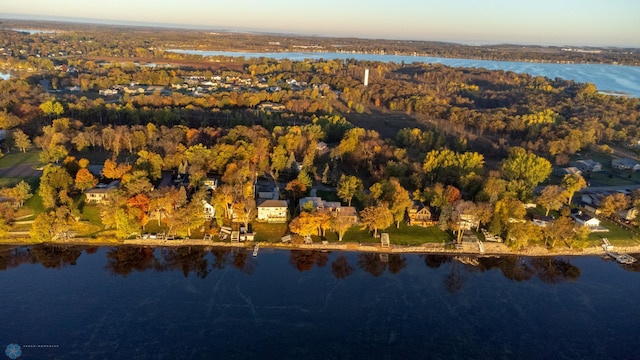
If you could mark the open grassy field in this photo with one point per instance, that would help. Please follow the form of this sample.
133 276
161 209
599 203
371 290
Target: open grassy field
15 159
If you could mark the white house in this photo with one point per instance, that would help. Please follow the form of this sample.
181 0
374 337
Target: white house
273 211
100 193
586 220
208 210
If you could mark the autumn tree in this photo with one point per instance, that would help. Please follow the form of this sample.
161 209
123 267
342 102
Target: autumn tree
17 194
113 170
376 218
340 223
305 224
85 180
400 201
21 140
551 198
614 203
296 188
573 183
348 186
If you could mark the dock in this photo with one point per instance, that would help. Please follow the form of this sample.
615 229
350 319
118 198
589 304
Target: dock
255 250
625 259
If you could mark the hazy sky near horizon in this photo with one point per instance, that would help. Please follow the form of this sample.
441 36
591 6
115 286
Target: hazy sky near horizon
545 22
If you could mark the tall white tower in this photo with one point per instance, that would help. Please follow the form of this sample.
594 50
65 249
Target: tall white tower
366 77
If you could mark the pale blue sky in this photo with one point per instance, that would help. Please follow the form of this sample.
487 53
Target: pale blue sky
547 22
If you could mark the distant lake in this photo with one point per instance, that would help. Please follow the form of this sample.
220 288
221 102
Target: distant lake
4 76
611 78
34 31
191 303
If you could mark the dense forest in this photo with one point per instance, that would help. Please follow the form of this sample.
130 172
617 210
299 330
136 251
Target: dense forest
466 142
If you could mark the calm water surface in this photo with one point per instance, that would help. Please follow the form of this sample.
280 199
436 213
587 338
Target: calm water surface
117 303
624 79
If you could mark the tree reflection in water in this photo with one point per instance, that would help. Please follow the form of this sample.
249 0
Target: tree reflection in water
56 257
122 261
187 259
303 260
376 264
243 262
341 268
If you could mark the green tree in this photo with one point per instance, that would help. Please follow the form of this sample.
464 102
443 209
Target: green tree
400 202
528 168
348 186
53 181
279 159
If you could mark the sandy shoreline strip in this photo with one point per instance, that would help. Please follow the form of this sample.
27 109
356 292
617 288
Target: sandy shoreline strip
490 249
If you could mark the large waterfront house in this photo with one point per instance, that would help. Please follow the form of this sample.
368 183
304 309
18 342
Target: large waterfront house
273 211
329 207
100 193
420 214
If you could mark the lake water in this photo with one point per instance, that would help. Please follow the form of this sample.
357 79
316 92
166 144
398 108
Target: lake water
612 78
134 303
4 76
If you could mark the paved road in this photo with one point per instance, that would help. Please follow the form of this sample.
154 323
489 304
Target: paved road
20 171
600 189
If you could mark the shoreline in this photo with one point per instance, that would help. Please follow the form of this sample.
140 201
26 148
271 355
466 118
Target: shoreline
468 249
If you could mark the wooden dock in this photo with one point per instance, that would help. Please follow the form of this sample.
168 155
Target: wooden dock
625 259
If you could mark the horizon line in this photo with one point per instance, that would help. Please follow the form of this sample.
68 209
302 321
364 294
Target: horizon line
231 29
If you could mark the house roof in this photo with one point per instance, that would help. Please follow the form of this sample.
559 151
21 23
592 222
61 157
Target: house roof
583 217
273 204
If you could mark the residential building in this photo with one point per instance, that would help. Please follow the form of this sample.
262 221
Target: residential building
100 193
273 211
542 221
625 164
571 170
585 220
330 207
628 214
420 215
587 166
208 209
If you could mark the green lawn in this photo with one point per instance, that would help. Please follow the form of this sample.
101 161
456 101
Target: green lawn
268 232
617 235
405 235
35 204
91 213
14 159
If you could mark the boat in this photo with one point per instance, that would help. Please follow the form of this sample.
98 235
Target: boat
255 250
